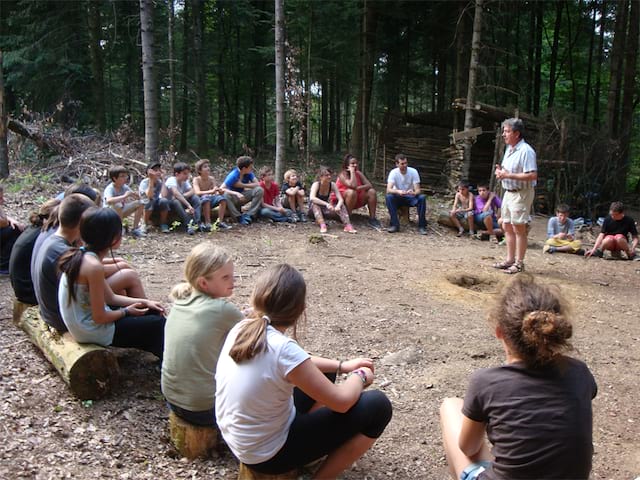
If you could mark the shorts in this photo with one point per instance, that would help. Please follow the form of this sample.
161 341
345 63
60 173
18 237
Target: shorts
615 239
479 218
127 209
517 205
214 200
472 471
462 215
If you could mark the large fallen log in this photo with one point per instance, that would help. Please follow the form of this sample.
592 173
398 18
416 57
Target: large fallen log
44 141
91 371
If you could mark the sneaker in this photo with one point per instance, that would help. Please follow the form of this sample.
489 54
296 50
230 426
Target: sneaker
224 226
294 218
323 228
460 232
393 229
302 217
205 227
138 233
143 228
549 249
349 228
422 230
164 228
375 224
244 220
191 230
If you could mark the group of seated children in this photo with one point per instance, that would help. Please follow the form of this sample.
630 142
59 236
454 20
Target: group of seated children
193 202
482 210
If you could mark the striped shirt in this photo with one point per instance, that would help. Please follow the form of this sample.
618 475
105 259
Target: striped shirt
519 159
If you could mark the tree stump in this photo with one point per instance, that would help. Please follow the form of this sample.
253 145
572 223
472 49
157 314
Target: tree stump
91 371
192 441
18 309
245 473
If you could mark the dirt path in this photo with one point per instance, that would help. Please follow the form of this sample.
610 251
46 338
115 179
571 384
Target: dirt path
386 296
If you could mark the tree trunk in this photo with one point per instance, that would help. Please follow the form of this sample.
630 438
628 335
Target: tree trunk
97 65
186 42
4 150
324 115
587 88
192 441
596 93
281 116
338 115
616 70
531 59
462 75
199 77
149 82
553 62
359 133
474 64
91 371
172 78
537 76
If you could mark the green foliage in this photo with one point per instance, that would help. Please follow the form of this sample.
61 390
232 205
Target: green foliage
30 182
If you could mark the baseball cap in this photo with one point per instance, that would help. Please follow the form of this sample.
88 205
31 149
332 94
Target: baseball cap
153 164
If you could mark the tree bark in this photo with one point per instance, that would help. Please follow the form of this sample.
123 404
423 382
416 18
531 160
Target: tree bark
199 77
172 78
596 93
149 82
474 63
192 441
537 76
281 133
587 88
4 150
324 115
97 65
186 42
553 61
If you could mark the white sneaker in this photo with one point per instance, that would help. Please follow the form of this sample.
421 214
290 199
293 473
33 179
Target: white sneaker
138 233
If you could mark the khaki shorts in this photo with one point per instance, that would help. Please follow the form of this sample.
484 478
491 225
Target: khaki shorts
517 205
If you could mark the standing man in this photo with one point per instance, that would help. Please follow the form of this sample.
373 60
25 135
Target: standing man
518 173
403 189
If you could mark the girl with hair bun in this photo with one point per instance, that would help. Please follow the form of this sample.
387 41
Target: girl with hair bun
277 407
536 408
196 328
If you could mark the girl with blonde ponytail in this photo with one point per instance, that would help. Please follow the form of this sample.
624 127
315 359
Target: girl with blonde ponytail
536 408
196 328
277 407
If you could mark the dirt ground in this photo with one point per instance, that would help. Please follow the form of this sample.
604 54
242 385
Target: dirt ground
391 297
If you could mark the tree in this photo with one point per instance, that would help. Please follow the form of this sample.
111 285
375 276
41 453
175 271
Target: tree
97 64
280 106
4 151
474 64
172 77
149 82
199 76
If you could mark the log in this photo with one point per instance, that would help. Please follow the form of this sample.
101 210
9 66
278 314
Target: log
91 371
44 141
444 219
245 473
192 441
18 309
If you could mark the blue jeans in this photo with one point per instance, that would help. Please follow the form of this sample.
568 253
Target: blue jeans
194 201
396 201
275 216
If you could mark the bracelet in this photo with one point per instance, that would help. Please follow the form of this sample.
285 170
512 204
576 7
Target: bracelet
125 312
361 374
339 371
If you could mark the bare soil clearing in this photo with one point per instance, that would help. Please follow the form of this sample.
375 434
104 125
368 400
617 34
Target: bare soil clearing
415 304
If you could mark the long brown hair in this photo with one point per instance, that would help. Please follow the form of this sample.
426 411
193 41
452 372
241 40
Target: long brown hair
279 299
534 320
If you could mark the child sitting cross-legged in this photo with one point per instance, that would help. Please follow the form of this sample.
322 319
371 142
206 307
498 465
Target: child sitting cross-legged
561 233
196 328
119 196
277 407
271 206
535 408
211 196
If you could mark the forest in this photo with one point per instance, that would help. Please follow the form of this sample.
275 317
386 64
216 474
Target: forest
207 69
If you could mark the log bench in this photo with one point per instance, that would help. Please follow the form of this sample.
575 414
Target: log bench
245 473
90 371
192 441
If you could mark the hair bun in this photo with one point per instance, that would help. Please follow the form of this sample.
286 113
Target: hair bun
547 332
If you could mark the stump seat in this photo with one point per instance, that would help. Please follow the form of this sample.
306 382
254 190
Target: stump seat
246 473
192 441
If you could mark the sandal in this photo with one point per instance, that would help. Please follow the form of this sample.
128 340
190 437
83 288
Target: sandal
503 265
514 268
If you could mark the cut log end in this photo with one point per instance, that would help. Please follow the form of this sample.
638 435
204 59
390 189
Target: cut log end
192 441
246 473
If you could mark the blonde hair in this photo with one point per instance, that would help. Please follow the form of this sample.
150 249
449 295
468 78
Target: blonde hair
279 299
288 173
204 259
534 320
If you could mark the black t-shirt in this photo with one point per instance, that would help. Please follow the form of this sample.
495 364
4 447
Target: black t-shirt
20 265
624 226
539 421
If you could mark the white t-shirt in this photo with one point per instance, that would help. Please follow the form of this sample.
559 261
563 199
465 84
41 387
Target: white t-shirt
183 187
403 182
110 192
254 401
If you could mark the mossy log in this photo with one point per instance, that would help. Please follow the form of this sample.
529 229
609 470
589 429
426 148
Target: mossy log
192 441
91 371
245 473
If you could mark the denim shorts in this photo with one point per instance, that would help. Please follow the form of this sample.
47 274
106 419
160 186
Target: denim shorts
472 471
214 200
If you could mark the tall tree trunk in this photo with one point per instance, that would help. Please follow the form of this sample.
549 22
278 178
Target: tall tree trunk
616 70
537 76
97 68
359 134
587 88
531 58
630 95
553 62
186 42
172 78
4 150
324 115
462 74
474 63
338 115
596 93
199 76
332 113
149 82
281 116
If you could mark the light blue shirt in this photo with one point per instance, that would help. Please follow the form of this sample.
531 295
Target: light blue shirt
519 159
